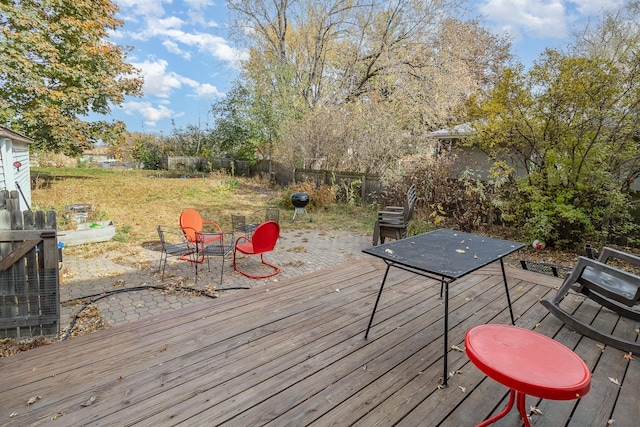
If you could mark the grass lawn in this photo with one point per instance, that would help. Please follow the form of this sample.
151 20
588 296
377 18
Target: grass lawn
137 201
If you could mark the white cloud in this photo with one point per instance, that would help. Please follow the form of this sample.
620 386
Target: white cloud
540 19
214 45
168 29
534 18
157 81
142 7
152 115
198 4
590 7
175 49
195 9
208 91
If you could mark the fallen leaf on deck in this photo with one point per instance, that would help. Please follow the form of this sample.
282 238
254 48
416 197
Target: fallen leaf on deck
13 414
534 410
460 251
389 251
56 416
628 356
456 348
601 347
610 422
614 380
33 399
89 402
464 389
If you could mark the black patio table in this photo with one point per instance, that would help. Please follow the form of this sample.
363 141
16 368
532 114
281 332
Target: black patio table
444 255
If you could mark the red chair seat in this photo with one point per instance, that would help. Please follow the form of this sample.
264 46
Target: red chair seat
246 248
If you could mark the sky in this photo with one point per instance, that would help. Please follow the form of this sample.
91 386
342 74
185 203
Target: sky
188 61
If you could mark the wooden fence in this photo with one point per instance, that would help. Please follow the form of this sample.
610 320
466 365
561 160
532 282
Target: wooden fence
367 186
29 271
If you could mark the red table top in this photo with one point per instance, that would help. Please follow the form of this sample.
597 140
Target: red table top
528 362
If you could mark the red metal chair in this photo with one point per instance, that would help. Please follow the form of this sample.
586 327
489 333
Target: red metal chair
262 240
204 244
192 225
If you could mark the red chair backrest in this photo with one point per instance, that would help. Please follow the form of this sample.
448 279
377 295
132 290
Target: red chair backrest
264 237
191 223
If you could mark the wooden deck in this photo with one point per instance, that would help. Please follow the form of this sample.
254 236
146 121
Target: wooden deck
293 354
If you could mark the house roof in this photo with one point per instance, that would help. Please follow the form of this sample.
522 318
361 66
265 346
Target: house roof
15 136
457 132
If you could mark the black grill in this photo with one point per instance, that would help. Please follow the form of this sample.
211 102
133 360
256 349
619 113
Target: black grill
300 200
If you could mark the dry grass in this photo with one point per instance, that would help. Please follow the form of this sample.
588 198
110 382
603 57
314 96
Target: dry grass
138 201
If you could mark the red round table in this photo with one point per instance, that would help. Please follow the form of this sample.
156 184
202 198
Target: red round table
528 363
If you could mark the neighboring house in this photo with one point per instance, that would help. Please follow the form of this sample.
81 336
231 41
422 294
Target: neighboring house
15 170
474 157
98 154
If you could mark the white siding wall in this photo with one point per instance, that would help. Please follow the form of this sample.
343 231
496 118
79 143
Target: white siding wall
11 152
23 176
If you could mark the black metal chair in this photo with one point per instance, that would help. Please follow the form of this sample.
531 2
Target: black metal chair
616 287
206 247
272 214
239 224
174 243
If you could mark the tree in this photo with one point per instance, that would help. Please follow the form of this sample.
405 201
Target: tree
57 67
570 128
244 123
411 59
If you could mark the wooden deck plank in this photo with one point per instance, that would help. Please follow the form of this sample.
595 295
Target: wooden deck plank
403 370
295 355
230 331
471 402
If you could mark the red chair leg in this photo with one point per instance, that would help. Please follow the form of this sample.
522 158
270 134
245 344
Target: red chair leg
275 269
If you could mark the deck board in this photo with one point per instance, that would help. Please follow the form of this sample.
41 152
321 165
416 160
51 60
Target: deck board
294 354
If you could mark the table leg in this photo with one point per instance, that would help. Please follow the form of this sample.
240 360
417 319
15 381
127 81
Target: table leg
521 408
384 279
505 411
506 288
446 330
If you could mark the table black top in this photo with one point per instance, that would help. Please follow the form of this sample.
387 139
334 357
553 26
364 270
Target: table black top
448 253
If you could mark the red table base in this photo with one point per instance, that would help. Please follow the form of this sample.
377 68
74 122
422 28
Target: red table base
528 363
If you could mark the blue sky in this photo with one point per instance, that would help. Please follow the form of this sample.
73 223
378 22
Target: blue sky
188 60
